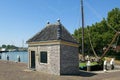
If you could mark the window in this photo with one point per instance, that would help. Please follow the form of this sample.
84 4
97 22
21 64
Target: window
43 57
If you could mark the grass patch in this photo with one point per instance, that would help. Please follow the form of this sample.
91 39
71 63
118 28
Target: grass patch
94 66
83 64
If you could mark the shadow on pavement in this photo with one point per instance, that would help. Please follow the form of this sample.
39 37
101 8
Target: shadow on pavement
86 74
82 74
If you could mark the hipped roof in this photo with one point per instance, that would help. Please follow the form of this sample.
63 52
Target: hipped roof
53 32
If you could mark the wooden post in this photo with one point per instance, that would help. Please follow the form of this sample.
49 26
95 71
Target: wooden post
82 11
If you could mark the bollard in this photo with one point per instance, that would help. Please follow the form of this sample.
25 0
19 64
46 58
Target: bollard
112 67
18 58
112 64
88 66
7 58
105 65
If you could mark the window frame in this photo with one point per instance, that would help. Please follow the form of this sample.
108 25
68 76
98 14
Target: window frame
43 60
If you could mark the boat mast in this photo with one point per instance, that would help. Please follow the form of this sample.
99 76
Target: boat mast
82 11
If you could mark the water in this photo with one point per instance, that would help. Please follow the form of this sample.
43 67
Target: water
13 56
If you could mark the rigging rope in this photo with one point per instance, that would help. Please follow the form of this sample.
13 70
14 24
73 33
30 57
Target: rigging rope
91 44
117 40
111 27
98 15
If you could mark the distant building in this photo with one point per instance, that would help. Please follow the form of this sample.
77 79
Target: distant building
53 50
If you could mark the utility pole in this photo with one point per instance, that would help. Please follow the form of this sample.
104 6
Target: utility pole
82 11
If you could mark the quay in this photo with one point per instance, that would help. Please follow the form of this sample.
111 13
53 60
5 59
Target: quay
18 71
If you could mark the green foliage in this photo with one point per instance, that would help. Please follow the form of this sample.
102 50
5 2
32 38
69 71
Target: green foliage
101 33
114 18
83 64
9 47
3 46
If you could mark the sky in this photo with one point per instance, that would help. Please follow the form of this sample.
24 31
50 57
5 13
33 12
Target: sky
22 19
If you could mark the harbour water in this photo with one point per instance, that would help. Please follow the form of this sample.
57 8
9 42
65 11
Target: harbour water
13 56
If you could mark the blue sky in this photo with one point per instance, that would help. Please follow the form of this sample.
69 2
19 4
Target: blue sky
21 19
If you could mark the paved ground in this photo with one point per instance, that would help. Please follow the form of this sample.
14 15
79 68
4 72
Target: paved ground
18 71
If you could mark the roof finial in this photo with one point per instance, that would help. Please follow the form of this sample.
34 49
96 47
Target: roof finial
48 22
58 20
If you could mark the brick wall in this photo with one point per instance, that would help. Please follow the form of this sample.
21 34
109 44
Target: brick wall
53 64
69 60
62 59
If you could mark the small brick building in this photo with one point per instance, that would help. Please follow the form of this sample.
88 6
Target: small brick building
53 50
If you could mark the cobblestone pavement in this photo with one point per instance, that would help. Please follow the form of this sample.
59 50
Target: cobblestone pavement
19 71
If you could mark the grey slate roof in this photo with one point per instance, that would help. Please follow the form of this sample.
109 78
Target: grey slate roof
53 32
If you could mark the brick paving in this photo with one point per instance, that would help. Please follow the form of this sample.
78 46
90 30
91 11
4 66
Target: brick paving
19 71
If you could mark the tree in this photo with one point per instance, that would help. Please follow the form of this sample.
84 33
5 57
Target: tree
3 46
11 47
114 18
101 33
